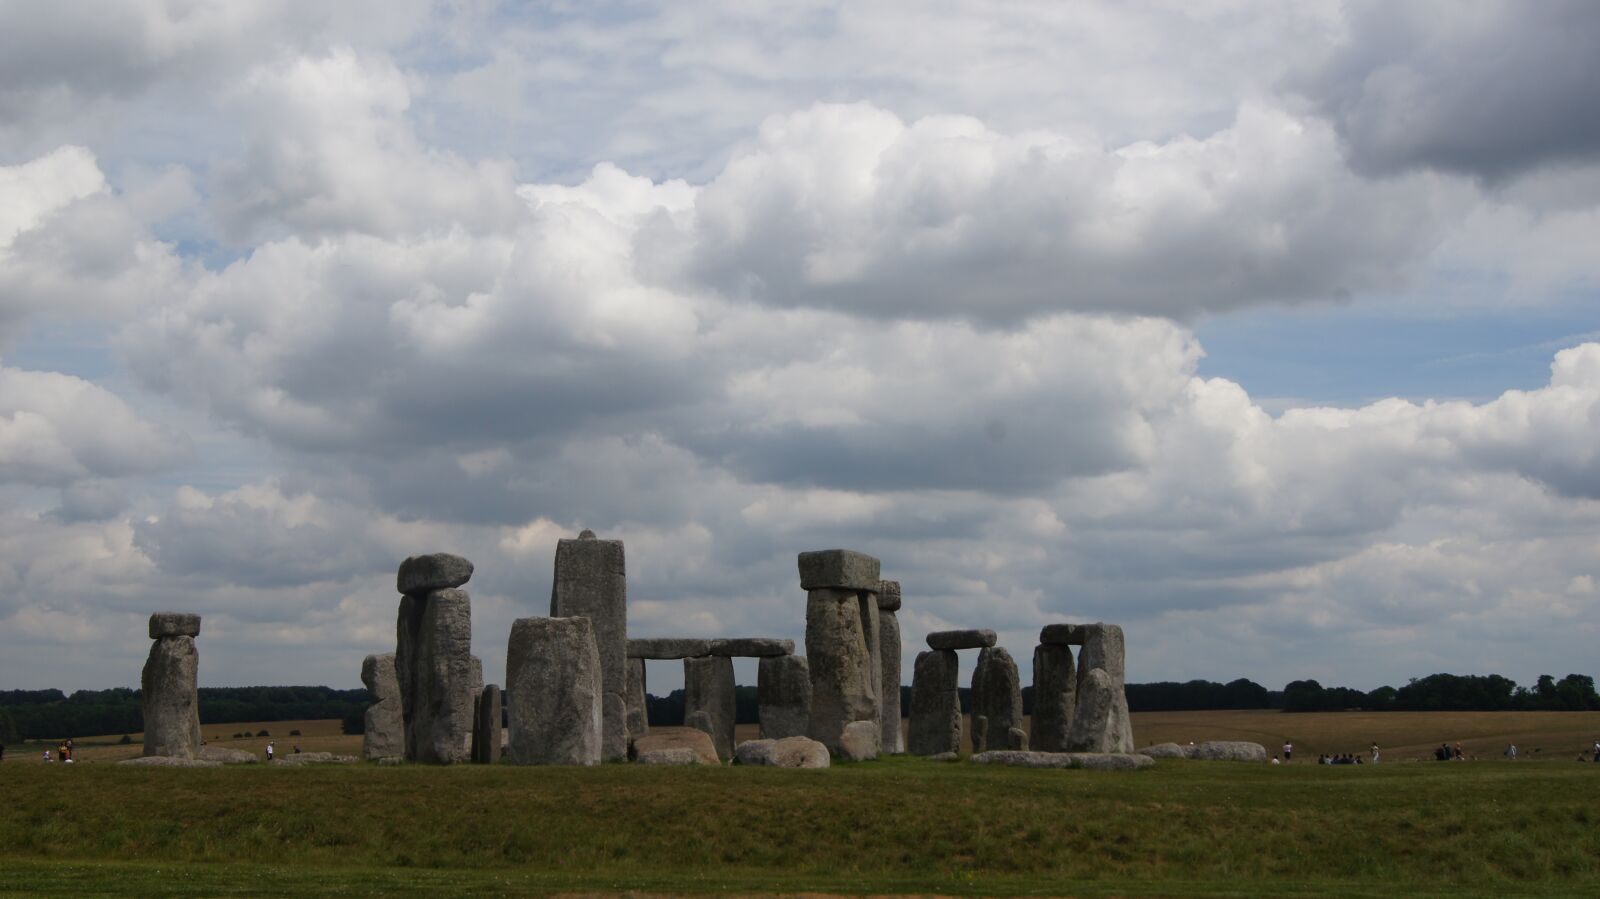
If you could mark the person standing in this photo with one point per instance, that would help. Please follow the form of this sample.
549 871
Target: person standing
1511 752
269 750
1374 752
1288 750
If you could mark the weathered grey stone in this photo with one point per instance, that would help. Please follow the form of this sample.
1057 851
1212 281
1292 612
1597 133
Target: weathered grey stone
170 761
860 741
678 756
1055 691
843 687
591 582
384 734
1017 739
752 647
789 752
1103 649
638 711
996 697
708 687
783 696
486 726
935 725
1229 751
700 720
1063 634
1166 751
420 575
553 692
174 624
838 569
439 680
668 648
971 638
171 698
872 630
691 738
225 755
313 758
889 596
945 757
390 761
893 739
1091 760
1095 727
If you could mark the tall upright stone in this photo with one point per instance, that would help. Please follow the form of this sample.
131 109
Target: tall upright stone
591 582
1104 648
1094 722
889 666
553 692
439 682
783 696
996 697
384 731
1055 690
486 726
169 687
935 725
708 687
638 708
841 648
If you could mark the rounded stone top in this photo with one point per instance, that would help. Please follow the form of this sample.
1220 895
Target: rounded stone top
174 624
420 575
586 534
889 596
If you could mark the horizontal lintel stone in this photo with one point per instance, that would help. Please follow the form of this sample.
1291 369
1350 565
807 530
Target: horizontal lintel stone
174 624
669 648
839 568
975 638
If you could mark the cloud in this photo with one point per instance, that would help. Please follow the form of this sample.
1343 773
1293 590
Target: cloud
56 429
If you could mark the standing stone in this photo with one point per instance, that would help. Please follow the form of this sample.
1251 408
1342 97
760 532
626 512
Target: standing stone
996 697
1055 688
935 703
783 696
1103 649
638 708
553 692
889 662
439 684
170 687
872 630
591 582
384 731
486 727
843 689
708 687
1094 725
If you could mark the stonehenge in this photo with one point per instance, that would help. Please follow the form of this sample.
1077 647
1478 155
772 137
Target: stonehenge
708 689
384 731
1100 721
783 696
553 692
1055 690
170 687
842 650
893 740
935 704
783 693
996 700
591 582
438 680
486 726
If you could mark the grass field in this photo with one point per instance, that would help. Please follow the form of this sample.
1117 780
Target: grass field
900 825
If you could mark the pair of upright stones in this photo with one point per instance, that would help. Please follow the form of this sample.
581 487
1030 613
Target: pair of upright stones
783 693
437 685
169 687
853 652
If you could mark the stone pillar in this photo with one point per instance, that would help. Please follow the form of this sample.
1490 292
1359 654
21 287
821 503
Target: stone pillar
384 732
997 698
434 666
169 687
1055 688
1100 720
553 692
889 662
844 681
783 696
486 727
935 703
638 708
591 582
708 687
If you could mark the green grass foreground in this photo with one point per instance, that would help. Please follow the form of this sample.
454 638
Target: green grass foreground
896 825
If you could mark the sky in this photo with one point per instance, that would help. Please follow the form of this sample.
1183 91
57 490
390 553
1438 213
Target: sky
1268 331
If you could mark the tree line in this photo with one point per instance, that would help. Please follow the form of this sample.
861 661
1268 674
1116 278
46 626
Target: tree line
52 715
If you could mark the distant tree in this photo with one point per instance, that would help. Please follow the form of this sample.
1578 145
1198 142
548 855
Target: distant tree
353 723
8 728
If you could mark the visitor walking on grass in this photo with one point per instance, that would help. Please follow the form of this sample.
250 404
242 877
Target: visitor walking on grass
1374 752
1511 752
1288 750
269 751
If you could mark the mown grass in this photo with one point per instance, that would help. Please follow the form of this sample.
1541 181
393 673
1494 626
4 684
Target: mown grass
895 825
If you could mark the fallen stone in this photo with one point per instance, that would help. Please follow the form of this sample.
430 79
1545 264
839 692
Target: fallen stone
439 680
486 726
384 733
1166 751
420 575
708 687
935 726
168 761
1017 739
312 758
783 696
591 581
1055 691
838 569
174 624
962 639
694 739
226 755
171 698
677 756
392 760
553 692
844 689
637 711
789 752
889 596
668 648
893 738
1063 634
1229 751
1099 761
860 741
996 699
752 647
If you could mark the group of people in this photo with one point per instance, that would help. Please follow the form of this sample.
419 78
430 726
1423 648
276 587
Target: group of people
1347 758
1445 754
63 752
